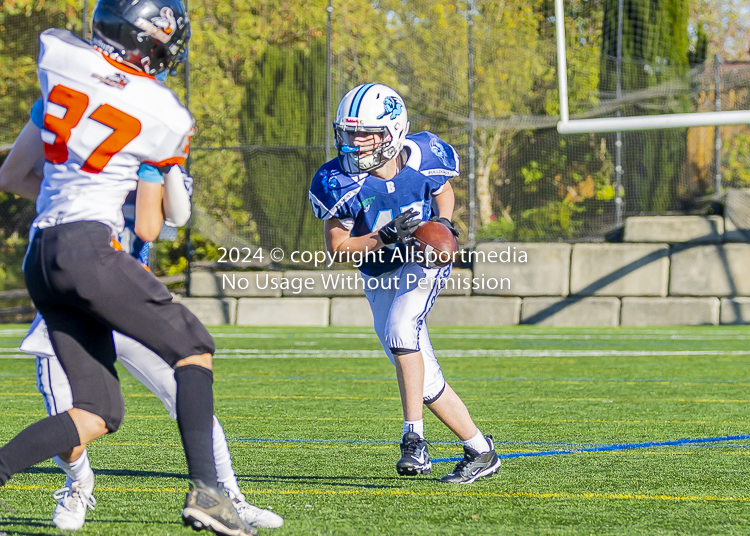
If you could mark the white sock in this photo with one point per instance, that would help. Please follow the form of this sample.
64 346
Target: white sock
223 461
79 470
478 443
414 426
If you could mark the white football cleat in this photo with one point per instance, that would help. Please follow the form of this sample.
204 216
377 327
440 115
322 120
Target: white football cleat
256 517
73 501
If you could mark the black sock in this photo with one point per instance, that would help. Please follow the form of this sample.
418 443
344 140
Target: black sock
40 441
195 415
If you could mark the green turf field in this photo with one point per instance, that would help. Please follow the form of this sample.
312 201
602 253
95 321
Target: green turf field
593 425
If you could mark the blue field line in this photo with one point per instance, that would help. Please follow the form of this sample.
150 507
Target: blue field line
613 447
703 441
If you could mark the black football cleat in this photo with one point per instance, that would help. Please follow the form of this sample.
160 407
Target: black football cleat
474 465
208 508
415 459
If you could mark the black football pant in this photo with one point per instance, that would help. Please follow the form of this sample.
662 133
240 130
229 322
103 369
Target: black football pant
85 289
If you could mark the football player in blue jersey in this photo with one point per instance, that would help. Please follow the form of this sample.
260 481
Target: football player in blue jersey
371 198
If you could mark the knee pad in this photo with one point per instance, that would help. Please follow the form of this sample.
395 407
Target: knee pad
430 398
402 351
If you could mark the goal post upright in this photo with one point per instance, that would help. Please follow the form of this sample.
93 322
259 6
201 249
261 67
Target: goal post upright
623 124
562 69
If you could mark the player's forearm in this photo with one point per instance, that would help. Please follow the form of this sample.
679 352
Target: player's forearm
341 243
445 202
357 244
18 174
148 211
26 187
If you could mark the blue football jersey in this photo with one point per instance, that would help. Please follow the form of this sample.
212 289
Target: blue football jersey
368 203
128 239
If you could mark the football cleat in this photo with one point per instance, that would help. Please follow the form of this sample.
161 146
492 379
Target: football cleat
474 465
415 459
208 508
74 500
256 517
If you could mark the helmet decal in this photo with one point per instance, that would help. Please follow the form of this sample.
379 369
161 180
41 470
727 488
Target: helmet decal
354 110
149 35
160 28
392 107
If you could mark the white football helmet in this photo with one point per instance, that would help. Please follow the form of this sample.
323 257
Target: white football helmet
370 109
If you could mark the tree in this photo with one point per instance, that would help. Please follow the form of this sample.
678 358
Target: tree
724 23
654 50
282 122
21 21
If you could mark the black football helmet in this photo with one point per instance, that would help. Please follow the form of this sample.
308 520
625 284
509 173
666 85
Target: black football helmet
149 35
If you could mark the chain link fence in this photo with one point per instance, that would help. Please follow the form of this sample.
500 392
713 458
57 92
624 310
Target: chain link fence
265 77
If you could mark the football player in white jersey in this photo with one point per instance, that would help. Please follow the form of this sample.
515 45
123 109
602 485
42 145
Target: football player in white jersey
382 171
76 497
104 115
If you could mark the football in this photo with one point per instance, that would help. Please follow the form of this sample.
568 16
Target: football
434 244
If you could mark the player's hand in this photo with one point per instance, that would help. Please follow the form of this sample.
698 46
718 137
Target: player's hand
400 228
448 224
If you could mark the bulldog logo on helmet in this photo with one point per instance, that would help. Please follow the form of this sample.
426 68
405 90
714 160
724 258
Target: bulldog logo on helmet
160 28
392 106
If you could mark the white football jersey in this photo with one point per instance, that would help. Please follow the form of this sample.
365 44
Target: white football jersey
102 120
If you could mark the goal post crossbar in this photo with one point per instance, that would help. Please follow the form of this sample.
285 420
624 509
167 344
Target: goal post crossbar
623 124
653 122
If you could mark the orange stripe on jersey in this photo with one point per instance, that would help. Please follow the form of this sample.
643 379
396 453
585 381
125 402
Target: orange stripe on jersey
123 67
174 161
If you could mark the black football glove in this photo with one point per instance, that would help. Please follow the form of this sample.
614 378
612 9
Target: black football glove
400 228
448 224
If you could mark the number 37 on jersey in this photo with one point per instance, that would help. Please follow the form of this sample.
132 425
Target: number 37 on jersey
124 128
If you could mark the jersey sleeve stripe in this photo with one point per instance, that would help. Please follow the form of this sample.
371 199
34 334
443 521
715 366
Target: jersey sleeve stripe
331 213
175 161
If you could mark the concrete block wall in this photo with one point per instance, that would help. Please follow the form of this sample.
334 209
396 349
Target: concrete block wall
674 270
619 270
544 272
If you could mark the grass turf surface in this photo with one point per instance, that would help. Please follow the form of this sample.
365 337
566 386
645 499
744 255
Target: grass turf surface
313 420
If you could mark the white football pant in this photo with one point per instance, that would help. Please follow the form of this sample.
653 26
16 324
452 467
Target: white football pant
142 363
400 301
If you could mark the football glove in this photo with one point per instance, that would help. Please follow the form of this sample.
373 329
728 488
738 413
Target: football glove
448 224
400 228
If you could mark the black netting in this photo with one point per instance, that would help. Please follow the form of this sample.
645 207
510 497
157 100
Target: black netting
258 84
20 25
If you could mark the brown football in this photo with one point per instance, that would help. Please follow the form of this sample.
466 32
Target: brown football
435 243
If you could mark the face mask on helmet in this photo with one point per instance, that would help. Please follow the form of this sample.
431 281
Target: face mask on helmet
363 149
148 35
371 125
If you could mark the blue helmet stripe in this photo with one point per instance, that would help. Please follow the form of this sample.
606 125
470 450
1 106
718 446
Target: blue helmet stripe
354 110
